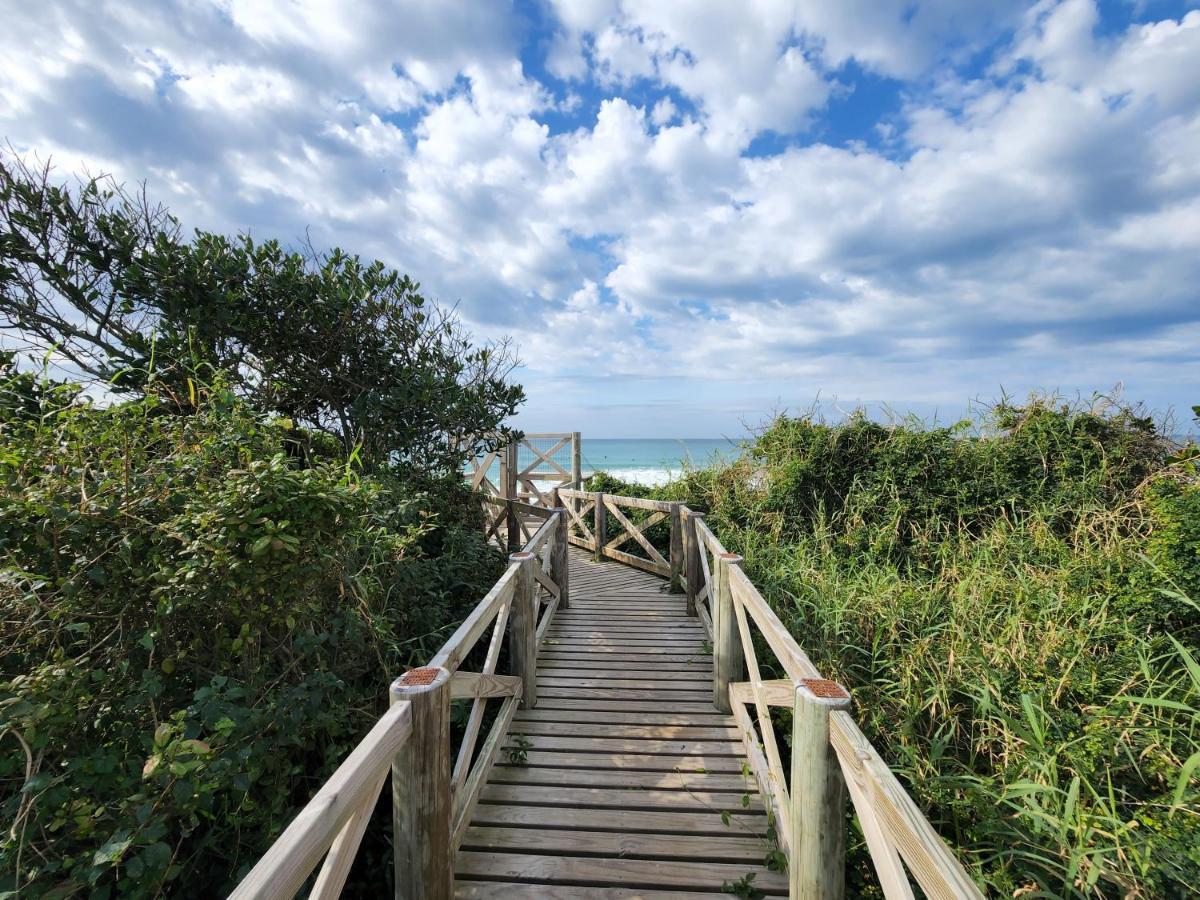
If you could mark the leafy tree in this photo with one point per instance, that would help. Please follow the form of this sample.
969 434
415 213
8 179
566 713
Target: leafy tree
105 279
195 629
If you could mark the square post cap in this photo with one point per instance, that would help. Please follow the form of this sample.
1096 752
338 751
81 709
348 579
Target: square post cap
823 692
420 681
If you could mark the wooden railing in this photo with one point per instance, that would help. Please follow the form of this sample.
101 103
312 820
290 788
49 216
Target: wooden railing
534 481
830 754
432 799
604 523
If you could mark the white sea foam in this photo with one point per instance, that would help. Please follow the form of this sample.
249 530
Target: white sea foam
648 477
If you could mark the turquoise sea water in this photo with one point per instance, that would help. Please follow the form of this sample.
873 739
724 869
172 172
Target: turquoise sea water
641 460
652 460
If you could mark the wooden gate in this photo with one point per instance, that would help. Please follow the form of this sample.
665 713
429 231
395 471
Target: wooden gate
530 469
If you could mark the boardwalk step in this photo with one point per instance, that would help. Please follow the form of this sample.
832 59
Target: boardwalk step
625 781
656 874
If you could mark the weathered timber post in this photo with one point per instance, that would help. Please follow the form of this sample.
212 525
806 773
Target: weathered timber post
560 560
676 554
522 627
728 658
598 527
693 570
817 869
576 463
502 480
513 524
421 801
555 502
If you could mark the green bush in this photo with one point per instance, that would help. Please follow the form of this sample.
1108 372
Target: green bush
106 283
1011 603
198 623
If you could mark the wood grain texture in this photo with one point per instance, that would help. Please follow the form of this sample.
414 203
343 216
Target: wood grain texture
421 798
290 860
621 772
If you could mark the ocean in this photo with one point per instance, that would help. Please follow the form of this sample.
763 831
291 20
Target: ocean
652 461
648 461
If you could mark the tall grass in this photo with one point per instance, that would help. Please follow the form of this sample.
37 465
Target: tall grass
1009 605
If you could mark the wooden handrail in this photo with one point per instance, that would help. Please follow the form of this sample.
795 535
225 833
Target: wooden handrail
901 841
353 787
459 644
897 833
334 821
542 535
608 507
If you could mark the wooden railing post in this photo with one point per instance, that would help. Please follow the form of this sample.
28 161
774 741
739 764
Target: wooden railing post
421 801
598 528
512 526
522 627
560 560
576 462
693 571
676 551
728 658
817 868
510 487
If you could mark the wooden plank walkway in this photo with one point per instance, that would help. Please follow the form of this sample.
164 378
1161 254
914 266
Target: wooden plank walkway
628 765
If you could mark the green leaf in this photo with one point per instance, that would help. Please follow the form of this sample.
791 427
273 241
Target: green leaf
113 849
1185 776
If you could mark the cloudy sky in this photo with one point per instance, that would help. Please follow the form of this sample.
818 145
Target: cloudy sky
688 214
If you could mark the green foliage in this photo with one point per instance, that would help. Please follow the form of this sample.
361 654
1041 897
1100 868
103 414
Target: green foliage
743 887
1175 543
1012 604
343 347
196 625
518 753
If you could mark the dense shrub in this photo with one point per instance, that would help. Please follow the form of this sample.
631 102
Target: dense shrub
196 624
1012 603
106 283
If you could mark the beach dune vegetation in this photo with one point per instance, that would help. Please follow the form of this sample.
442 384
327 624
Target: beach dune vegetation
1012 602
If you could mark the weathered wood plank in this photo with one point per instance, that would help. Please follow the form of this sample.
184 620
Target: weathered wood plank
584 870
625 717
626 694
634 820
694 649
601 704
610 658
646 762
465 685
707 848
601 798
621 684
626 672
623 778
608 729
505 890
619 745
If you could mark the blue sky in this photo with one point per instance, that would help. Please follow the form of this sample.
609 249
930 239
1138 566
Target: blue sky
688 215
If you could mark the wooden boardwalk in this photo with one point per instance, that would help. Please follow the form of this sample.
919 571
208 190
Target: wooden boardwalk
628 766
611 767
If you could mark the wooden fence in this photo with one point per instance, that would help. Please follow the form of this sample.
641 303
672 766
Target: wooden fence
830 758
830 754
532 481
832 762
432 800
605 523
